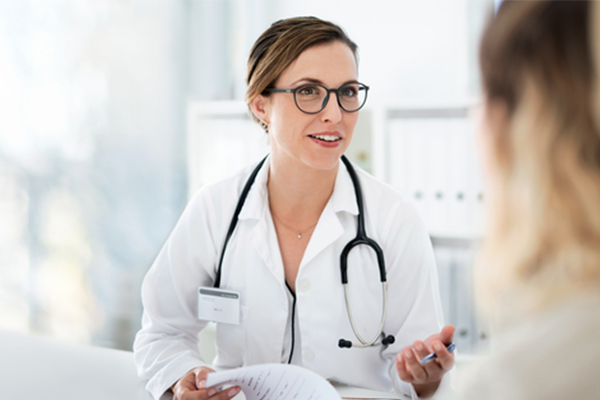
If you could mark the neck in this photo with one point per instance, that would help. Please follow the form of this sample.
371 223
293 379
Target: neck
298 193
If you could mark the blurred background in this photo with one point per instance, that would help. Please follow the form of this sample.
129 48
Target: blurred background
113 112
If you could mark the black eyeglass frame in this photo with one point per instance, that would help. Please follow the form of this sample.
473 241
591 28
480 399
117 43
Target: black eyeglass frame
326 99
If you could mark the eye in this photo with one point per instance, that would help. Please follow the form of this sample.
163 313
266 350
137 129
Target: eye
348 91
309 90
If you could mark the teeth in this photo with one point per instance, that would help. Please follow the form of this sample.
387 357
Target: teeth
326 138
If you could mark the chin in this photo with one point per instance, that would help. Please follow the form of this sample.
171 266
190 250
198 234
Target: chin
323 162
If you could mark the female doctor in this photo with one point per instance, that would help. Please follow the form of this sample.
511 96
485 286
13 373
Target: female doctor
280 264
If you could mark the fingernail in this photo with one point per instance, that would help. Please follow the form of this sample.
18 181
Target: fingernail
419 346
408 354
201 384
437 346
233 392
212 392
399 357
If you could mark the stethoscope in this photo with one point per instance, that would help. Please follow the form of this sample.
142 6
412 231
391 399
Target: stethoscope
360 239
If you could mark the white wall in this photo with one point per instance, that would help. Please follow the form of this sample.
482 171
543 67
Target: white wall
92 162
415 51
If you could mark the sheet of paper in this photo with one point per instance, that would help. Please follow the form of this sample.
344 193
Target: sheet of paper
276 382
355 393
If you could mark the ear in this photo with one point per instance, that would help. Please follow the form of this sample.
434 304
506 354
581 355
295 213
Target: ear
260 108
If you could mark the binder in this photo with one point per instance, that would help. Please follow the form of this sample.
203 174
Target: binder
459 220
436 136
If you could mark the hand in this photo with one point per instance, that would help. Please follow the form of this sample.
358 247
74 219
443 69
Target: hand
192 386
426 378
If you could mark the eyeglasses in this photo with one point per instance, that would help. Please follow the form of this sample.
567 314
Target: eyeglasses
312 98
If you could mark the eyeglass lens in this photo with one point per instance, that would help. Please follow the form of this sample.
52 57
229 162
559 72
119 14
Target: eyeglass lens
311 98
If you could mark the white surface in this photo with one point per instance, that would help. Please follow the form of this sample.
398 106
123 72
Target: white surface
39 368
349 392
34 368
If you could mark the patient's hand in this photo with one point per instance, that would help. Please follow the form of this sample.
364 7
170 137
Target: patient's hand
426 378
192 386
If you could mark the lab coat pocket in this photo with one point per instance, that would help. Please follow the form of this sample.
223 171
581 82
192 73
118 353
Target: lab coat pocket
230 341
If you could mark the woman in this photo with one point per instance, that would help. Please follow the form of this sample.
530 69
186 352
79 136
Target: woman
282 258
539 271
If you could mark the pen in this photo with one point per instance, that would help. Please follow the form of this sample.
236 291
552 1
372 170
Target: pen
450 347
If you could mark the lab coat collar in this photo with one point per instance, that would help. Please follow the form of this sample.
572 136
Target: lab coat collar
263 236
327 231
343 198
257 201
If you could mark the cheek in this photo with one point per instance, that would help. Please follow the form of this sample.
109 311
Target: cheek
289 127
286 117
350 121
485 144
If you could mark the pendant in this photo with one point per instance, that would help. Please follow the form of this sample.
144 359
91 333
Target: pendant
299 236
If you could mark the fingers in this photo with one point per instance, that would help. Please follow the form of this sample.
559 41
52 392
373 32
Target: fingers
445 359
443 362
447 334
422 351
187 383
421 373
403 372
210 393
410 369
226 394
200 374
192 386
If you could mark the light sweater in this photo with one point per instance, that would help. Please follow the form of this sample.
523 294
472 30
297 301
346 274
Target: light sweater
552 355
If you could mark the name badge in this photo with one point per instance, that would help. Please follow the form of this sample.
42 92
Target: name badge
219 305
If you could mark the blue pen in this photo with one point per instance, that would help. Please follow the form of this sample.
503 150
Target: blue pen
450 347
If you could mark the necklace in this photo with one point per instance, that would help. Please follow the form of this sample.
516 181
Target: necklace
299 232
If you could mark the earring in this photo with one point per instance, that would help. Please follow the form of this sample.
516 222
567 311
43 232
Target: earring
265 126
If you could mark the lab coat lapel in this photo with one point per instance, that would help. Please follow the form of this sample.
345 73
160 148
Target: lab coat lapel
329 229
263 237
264 240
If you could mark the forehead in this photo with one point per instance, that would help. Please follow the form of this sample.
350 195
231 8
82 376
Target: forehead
331 64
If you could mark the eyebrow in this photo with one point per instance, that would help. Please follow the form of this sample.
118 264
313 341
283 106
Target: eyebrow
319 82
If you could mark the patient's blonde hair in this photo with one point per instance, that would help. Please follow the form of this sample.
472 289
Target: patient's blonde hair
543 239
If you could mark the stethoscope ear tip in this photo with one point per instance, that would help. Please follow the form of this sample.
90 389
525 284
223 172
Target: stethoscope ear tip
344 344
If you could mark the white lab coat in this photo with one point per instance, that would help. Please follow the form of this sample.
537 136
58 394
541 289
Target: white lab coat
167 345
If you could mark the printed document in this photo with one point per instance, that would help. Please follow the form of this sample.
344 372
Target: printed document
276 382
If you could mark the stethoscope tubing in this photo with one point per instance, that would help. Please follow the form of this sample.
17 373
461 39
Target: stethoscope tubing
383 313
361 235
236 214
360 239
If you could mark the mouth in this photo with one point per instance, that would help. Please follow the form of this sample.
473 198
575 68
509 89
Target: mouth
326 138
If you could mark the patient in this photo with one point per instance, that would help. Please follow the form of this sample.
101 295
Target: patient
538 274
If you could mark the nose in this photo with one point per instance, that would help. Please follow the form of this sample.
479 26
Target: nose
332 111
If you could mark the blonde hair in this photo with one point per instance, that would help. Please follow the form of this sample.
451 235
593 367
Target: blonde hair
543 239
281 44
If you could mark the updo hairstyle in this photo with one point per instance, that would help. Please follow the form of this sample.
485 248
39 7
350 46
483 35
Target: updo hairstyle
281 44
